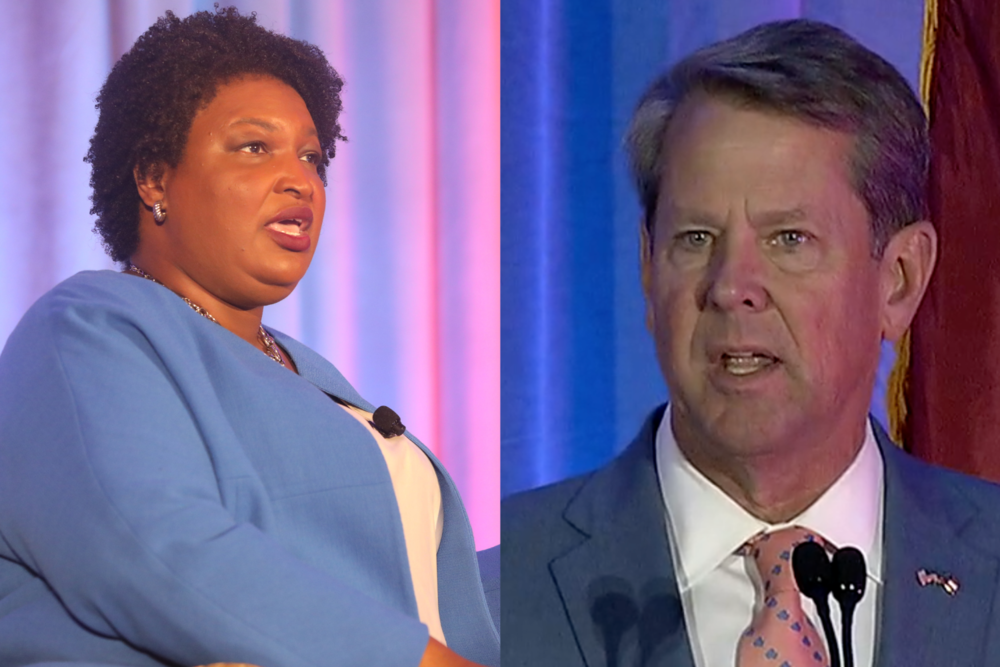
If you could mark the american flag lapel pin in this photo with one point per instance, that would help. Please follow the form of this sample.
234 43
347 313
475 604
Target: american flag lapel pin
945 581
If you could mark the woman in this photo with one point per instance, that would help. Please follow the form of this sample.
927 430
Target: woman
179 485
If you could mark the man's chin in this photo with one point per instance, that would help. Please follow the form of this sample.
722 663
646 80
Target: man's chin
741 428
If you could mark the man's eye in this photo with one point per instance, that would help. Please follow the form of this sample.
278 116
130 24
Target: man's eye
790 238
695 239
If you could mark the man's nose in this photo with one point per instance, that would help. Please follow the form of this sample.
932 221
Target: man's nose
735 280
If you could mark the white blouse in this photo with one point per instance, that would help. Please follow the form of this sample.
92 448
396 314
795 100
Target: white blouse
418 495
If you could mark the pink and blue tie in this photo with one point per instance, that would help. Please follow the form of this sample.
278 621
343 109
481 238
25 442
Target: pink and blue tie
780 633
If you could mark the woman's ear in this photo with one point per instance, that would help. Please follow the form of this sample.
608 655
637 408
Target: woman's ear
907 264
150 182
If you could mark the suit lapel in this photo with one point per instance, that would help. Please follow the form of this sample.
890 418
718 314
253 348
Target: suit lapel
930 526
618 584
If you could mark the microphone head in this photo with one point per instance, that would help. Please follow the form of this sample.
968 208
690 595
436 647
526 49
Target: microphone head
848 576
387 422
811 567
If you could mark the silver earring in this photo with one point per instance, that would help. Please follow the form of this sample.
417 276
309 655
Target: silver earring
158 213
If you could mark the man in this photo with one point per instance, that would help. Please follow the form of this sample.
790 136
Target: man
782 176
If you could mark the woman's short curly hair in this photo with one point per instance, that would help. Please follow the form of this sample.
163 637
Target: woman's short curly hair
175 68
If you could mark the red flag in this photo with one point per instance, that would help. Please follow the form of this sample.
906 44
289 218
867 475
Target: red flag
954 388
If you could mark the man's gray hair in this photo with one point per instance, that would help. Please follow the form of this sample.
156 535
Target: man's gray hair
815 73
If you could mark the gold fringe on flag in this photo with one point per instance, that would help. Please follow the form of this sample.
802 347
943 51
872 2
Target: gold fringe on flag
927 54
898 390
899 380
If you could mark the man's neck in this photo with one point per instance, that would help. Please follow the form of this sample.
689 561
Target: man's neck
775 486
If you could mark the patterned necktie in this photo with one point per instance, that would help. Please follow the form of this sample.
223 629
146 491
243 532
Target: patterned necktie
780 633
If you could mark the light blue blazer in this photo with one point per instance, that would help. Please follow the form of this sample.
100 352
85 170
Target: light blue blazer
170 495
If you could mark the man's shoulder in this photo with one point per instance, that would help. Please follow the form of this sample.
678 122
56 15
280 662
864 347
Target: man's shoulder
973 488
960 499
937 479
558 514
540 509
539 525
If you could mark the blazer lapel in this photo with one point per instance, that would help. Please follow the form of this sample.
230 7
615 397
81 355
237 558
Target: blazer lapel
930 526
618 585
320 372
465 615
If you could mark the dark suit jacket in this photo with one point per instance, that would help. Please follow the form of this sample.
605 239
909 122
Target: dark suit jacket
587 575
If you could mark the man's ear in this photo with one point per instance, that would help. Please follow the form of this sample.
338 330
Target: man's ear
646 268
150 184
907 265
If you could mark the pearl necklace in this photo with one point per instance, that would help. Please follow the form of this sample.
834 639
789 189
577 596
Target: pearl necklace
270 347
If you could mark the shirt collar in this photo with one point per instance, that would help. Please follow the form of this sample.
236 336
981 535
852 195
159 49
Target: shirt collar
707 526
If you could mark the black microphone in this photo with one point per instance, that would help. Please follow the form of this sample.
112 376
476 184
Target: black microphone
814 577
387 422
848 589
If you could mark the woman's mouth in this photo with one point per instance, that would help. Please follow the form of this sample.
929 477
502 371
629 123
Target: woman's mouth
289 234
288 228
291 227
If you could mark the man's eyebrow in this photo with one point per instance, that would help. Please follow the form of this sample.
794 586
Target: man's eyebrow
680 216
779 217
266 125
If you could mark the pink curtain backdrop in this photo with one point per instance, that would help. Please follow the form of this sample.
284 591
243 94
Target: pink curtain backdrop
404 292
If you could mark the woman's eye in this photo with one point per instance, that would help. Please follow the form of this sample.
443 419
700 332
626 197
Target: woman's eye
311 158
255 147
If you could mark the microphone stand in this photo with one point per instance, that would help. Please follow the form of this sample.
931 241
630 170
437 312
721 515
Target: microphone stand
848 589
814 577
823 607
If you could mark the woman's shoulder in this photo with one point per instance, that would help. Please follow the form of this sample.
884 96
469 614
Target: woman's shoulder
106 302
97 289
91 294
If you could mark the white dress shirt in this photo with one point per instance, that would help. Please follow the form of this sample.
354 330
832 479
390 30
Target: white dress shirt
718 587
